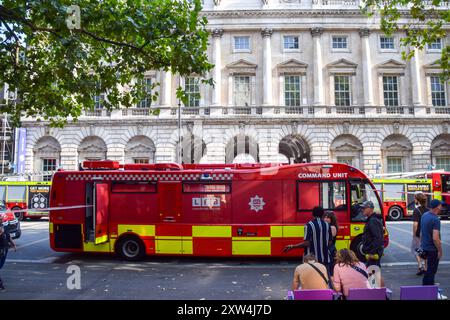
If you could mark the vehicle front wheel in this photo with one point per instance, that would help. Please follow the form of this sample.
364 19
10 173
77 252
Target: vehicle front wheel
130 248
19 215
356 247
395 213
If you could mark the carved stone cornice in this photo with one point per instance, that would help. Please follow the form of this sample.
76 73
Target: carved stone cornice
317 31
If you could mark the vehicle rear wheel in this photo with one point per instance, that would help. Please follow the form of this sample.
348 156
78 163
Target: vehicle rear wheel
356 247
395 213
130 248
19 215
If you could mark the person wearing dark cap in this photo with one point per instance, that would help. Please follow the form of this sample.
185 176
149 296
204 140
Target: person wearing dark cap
373 235
430 230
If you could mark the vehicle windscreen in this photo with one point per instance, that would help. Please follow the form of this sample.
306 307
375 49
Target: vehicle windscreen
360 191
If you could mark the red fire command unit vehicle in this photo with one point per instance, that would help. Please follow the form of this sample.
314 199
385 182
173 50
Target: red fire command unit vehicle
202 209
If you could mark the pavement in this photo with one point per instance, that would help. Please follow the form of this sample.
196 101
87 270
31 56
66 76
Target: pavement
36 272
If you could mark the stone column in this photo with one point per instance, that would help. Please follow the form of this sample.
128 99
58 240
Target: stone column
416 83
318 66
167 86
267 67
217 60
367 67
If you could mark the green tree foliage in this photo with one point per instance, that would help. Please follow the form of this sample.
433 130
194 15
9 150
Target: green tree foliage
57 71
423 22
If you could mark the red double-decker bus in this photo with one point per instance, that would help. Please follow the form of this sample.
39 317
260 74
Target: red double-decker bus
202 210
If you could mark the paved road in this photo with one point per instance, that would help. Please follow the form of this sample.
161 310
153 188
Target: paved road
36 272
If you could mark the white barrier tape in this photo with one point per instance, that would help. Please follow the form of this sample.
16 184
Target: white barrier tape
415 192
45 209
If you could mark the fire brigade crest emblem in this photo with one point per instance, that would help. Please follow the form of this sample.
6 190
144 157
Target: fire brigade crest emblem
256 203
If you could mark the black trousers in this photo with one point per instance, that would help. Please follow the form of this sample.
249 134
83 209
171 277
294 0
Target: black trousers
432 267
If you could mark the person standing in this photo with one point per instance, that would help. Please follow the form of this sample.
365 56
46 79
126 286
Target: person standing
5 242
421 201
373 235
317 239
430 229
330 218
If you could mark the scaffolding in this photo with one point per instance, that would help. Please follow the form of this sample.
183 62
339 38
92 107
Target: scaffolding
6 146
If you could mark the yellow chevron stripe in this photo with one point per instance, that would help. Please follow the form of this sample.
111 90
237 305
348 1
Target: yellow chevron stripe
211 231
141 230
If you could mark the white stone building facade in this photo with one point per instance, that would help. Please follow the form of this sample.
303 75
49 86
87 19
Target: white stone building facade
296 81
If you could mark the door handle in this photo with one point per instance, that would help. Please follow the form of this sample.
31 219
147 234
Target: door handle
356 228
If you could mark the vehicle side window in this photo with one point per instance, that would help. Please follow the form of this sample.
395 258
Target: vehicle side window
331 195
394 191
2 193
16 193
308 195
378 188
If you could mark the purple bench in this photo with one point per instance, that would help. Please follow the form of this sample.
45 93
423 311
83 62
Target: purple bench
367 294
419 292
325 294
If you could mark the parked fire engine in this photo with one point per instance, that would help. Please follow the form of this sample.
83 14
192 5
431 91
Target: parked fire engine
202 209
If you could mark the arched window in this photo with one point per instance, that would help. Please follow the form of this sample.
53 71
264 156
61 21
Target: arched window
47 156
440 154
140 149
396 153
347 149
92 148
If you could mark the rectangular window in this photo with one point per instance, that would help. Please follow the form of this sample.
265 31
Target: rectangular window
443 163
206 188
394 191
48 164
290 42
141 160
438 92
192 89
342 90
99 101
435 45
134 187
147 90
292 91
242 94
390 91
331 195
346 160
394 164
242 43
340 43
387 43
16 193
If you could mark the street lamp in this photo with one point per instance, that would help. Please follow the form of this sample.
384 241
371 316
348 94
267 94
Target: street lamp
179 132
